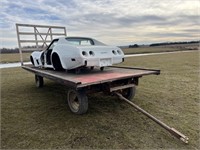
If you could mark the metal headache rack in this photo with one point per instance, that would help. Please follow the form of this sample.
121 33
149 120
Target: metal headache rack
39 36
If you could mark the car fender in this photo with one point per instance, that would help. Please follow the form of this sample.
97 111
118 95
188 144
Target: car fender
70 56
37 55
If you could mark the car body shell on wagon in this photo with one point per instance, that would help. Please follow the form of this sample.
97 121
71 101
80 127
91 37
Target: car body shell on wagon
75 52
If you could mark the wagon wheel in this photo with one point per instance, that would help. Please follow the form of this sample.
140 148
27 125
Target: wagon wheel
77 101
39 81
129 93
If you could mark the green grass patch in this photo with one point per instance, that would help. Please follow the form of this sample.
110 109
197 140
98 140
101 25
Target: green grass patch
33 118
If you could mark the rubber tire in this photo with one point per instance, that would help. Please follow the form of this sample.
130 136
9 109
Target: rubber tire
130 93
56 63
39 81
82 100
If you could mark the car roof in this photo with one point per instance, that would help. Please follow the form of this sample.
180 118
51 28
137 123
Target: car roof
96 42
74 37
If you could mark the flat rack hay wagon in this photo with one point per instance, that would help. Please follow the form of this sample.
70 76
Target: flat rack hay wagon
114 80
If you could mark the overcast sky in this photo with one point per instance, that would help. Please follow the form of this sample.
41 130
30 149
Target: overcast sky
114 22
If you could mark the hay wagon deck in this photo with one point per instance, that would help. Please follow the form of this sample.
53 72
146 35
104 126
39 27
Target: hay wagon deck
121 79
92 77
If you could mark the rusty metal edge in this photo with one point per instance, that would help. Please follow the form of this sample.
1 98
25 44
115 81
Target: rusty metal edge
78 85
156 71
52 77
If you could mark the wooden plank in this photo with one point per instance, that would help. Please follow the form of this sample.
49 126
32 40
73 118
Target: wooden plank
33 41
19 44
40 26
31 33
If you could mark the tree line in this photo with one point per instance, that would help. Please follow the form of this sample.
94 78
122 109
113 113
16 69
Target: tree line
172 43
15 50
9 50
164 44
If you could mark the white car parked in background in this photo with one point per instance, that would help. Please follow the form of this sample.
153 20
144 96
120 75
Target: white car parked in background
77 52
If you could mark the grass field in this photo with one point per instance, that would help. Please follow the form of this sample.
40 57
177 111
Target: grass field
34 118
14 57
140 50
157 49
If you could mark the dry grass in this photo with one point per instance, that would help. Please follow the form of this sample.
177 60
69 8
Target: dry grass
34 118
14 57
156 49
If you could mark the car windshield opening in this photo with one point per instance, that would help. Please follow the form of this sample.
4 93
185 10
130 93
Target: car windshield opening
80 41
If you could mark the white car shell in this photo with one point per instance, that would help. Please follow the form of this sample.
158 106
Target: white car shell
75 52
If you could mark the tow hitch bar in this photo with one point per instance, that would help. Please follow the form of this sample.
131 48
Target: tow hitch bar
173 131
